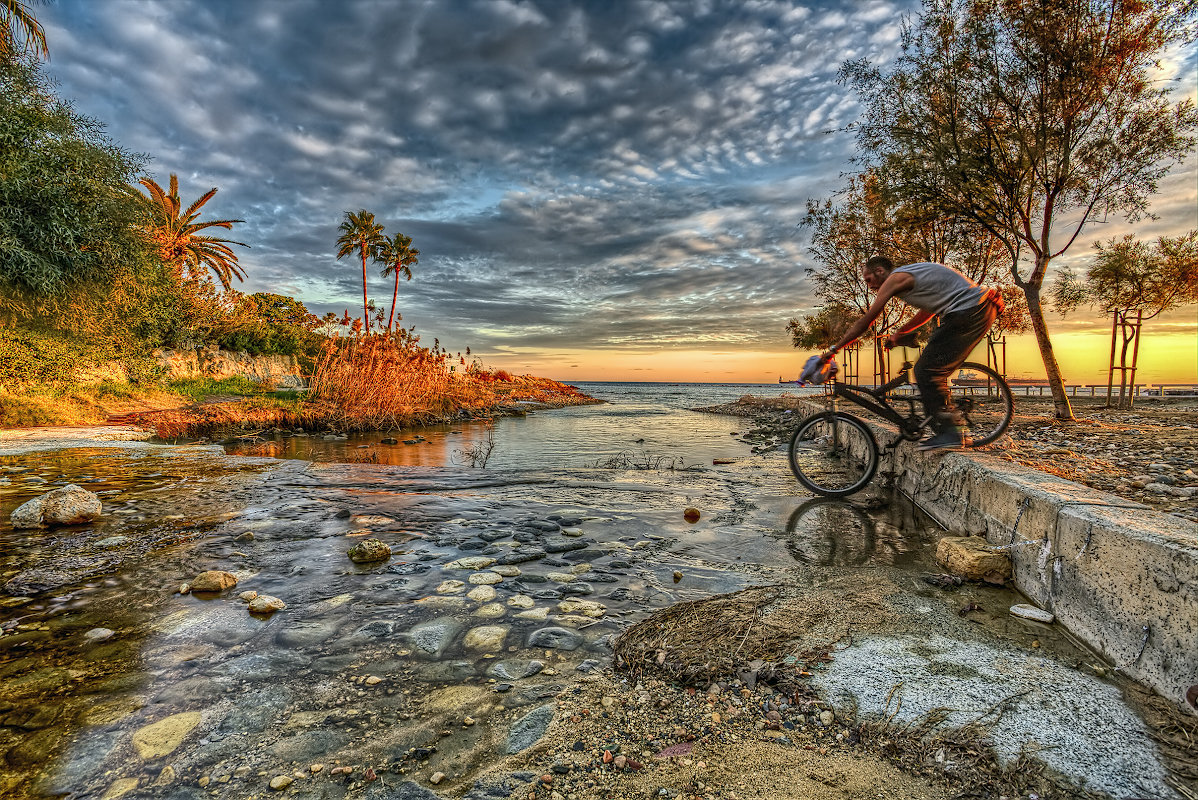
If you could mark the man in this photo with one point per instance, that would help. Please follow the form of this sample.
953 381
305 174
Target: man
966 313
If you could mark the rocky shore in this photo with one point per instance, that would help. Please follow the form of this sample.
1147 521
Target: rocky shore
1148 454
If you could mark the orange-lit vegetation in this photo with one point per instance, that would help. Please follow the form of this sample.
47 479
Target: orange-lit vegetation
381 382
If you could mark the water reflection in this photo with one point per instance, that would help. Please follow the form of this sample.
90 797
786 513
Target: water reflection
828 532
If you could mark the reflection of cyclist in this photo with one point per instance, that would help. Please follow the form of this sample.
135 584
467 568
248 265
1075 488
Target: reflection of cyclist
966 312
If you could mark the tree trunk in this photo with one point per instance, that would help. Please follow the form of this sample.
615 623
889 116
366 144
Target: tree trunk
1061 408
365 307
394 297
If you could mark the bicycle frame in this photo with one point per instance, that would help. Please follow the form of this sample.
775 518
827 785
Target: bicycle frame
875 400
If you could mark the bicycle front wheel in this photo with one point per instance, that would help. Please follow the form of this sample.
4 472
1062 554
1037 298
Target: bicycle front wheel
983 401
833 453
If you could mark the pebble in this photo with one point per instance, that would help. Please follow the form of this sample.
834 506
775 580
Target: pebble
281 782
436 778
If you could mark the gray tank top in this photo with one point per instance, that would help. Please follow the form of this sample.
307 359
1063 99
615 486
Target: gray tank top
939 289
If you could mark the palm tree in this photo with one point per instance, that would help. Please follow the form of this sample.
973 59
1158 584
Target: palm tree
177 234
15 15
361 233
397 256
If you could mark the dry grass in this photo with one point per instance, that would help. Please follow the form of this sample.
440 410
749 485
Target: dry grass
383 383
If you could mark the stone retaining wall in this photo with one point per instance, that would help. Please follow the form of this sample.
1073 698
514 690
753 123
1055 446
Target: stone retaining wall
1120 576
209 361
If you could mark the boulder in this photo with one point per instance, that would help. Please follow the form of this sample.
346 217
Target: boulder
68 505
972 559
213 581
369 550
265 604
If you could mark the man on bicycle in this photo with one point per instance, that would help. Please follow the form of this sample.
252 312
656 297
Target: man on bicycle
966 312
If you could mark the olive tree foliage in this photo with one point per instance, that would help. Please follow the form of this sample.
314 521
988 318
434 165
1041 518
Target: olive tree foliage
1134 281
1132 275
866 220
822 328
66 218
1031 119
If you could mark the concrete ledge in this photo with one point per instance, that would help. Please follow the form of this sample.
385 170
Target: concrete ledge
1120 576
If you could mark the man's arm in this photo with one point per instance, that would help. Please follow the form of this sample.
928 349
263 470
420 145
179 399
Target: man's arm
897 282
920 319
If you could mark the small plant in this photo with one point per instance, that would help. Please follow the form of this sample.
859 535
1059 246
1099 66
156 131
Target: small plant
641 461
478 454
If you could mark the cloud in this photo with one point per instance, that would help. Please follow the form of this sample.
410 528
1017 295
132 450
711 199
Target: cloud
576 175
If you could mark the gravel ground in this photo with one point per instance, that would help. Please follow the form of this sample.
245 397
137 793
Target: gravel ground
1148 454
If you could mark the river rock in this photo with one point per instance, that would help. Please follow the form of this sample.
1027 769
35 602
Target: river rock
529 729
482 594
432 637
515 670
534 614
522 556
490 610
521 601
369 550
555 639
485 638
451 587
68 505
485 578
972 559
213 581
164 736
99 634
588 608
471 563
265 604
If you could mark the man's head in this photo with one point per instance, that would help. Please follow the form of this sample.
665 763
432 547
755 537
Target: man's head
876 271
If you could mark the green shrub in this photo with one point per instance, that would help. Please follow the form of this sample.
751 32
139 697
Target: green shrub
29 357
196 389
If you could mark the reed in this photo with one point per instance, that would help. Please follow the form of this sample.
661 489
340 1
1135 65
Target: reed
382 382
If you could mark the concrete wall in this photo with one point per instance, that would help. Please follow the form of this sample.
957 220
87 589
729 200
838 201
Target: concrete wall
1120 576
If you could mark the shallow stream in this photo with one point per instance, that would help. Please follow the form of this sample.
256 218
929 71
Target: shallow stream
504 583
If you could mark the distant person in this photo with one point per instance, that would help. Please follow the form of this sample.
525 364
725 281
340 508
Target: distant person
966 312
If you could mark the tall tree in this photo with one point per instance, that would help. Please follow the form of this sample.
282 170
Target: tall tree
359 232
176 234
397 256
1031 118
17 18
1134 281
66 217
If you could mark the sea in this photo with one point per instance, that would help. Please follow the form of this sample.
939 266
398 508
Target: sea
638 423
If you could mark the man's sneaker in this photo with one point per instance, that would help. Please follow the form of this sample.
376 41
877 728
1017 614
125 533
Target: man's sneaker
947 439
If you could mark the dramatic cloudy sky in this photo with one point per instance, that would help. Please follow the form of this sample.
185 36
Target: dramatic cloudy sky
598 190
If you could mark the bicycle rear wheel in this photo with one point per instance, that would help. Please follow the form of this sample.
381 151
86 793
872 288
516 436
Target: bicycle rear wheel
983 401
833 454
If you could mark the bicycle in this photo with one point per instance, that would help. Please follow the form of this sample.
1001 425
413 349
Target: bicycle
835 454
